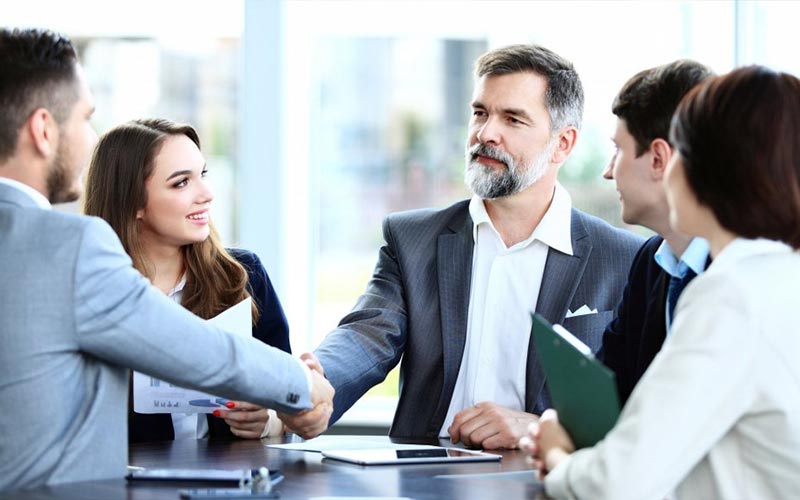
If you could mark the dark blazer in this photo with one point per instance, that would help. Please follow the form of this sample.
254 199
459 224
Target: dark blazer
638 330
632 340
415 307
271 328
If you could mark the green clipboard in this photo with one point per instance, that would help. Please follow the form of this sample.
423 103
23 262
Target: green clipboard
583 390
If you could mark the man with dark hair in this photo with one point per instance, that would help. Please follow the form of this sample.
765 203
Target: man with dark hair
453 289
75 315
667 262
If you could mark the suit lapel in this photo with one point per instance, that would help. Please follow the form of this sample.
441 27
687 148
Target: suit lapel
562 273
454 267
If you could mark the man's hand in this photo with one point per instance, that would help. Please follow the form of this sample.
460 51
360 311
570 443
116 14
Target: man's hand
313 422
490 426
312 362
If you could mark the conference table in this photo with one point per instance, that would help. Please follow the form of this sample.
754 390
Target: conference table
308 475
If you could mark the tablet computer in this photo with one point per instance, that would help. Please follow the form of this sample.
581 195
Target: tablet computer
416 455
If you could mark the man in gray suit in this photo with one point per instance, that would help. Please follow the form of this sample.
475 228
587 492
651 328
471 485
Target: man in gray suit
75 315
452 291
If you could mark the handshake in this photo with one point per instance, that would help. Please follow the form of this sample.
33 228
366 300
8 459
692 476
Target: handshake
311 423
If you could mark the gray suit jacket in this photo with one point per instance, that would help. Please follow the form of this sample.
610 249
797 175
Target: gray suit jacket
74 316
416 305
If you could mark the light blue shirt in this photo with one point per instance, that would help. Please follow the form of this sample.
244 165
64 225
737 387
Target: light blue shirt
695 257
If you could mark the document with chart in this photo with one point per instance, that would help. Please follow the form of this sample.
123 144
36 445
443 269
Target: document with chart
151 395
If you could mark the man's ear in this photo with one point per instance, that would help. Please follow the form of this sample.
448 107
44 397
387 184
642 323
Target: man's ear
43 131
567 138
661 152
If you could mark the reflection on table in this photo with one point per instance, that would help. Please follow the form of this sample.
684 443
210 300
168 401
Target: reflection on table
308 475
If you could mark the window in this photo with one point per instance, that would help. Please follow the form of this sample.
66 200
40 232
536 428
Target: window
385 92
320 117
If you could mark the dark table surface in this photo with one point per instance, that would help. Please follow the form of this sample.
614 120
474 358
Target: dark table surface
308 475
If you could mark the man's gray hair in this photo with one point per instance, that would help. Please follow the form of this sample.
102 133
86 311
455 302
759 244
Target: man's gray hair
564 95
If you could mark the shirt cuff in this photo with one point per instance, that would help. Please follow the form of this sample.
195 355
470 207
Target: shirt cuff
556 483
274 426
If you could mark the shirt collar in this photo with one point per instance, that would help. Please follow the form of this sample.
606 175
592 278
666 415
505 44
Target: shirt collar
178 288
694 257
554 230
37 197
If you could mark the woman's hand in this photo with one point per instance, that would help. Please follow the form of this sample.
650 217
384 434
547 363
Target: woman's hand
249 421
553 444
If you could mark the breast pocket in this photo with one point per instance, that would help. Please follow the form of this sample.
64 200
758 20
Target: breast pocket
589 328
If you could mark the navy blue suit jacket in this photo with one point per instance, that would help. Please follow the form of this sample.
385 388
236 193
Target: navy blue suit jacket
638 330
271 328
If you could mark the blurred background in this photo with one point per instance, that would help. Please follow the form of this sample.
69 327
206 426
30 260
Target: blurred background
320 117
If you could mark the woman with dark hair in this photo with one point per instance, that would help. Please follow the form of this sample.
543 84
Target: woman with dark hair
147 180
717 414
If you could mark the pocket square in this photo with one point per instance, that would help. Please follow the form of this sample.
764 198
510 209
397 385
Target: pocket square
581 311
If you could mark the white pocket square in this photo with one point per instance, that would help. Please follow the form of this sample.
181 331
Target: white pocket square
581 311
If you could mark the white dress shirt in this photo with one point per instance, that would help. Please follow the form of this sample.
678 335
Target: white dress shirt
717 414
503 292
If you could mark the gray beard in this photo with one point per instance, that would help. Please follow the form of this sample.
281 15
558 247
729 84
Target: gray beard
488 183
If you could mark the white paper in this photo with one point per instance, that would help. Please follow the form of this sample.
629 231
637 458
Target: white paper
151 395
340 443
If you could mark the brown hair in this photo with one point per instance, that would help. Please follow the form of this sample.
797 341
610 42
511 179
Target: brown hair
738 137
564 95
37 70
115 190
648 100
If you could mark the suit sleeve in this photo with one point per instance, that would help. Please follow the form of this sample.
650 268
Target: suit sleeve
370 340
121 319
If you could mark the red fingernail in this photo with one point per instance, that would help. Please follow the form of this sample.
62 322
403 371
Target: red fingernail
217 413
230 404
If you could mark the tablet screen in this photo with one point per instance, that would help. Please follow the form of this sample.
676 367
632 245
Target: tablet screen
440 452
409 455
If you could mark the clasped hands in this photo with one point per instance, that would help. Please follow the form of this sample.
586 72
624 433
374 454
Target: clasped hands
547 443
312 422
251 421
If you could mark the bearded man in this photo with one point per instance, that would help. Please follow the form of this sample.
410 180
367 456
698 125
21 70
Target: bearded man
453 289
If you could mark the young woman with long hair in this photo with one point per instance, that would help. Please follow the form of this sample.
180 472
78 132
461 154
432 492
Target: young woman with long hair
147 180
